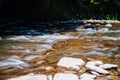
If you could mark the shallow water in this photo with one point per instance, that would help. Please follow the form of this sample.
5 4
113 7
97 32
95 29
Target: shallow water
102 43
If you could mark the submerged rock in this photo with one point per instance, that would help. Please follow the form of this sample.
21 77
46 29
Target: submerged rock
73 63
12 62
65 76
94 65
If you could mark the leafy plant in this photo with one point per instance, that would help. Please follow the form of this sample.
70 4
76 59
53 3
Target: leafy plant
110 17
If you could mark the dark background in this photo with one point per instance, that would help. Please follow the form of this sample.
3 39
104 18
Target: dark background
49 10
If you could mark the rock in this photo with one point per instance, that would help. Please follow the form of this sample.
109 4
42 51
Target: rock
65 76
95 73
108 66
94 65
12 62
30 77
108 25
50 77
87 76
73 63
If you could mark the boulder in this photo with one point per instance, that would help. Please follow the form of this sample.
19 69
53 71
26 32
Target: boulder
71 63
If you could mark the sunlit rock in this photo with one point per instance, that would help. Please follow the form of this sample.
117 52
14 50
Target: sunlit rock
65 76
94 65
108 66
30 77
12 62
108 25
95 73
71 63
50 77
86 76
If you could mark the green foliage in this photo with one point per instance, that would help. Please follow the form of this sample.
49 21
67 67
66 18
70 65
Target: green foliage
110 17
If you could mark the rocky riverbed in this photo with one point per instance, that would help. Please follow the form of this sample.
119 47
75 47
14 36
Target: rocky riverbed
90 52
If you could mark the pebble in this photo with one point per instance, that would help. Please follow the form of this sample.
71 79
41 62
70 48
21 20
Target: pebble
65 76
71 63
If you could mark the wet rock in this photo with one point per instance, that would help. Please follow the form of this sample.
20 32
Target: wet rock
108 25
71 63
65 76
108 66
87 76
12 62
30 77
94 65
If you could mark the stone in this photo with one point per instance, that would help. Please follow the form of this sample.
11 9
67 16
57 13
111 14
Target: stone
108 66
30 77
65 76
12 62
108 25
95 73
50 77
71 63
94 65
86 75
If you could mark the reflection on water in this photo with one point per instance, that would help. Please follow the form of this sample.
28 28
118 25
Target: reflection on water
48 48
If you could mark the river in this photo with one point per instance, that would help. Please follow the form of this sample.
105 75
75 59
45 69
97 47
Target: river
39 53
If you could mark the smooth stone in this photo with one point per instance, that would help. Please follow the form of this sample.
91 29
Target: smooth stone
94 65
108 66
71 63
87 76
30 77
65 76
108 25
50 77
95 73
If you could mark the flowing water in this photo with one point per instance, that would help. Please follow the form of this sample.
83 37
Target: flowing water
40 53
